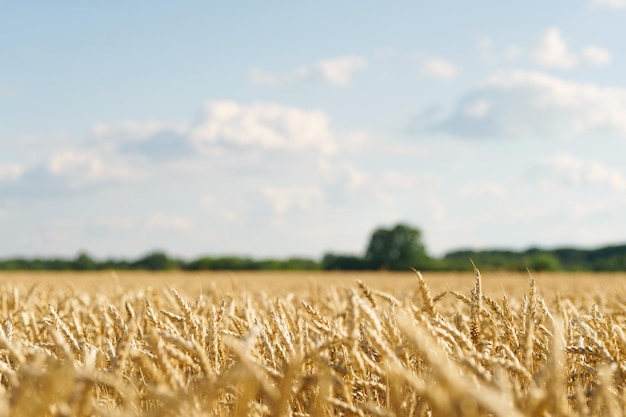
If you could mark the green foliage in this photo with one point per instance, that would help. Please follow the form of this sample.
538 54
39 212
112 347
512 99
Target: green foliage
235 263
486 260
155 261
610 258
333 262
544 262
397 248
84 262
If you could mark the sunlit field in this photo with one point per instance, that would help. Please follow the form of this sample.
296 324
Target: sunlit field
274 283
312 344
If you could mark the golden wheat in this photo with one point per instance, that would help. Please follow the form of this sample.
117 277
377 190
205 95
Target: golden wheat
326 351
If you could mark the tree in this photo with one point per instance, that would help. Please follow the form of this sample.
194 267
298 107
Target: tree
334 262
544 262
83 262
155 261
398 248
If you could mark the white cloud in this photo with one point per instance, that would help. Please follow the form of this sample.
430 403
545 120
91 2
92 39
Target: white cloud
10 172
551 51
596 55
439 68
610 4
258 166
266 126
161 221
578 172
79 167
338 71
523 103
227 140
224 126
483 190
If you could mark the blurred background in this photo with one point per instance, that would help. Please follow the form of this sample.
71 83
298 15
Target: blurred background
276 129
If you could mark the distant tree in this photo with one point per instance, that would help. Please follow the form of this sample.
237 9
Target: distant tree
201 264
334 262
155 261
397 248
113 264
544 262
609 258
83 262
233 263
300 264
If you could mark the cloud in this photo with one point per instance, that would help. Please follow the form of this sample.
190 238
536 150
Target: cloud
337 71
610 4
225 140
225 126
236 169
577 172
551 51
11 172
79 167
439 68
521 103
237 173
261 125
596 55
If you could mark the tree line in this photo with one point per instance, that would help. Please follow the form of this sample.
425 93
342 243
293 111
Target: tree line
397 248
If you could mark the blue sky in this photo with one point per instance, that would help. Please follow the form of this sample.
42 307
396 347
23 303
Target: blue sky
276 128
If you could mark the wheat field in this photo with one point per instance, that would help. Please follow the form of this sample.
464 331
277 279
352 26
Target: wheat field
312 344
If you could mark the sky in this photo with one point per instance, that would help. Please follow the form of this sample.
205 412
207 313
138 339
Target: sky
296 128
